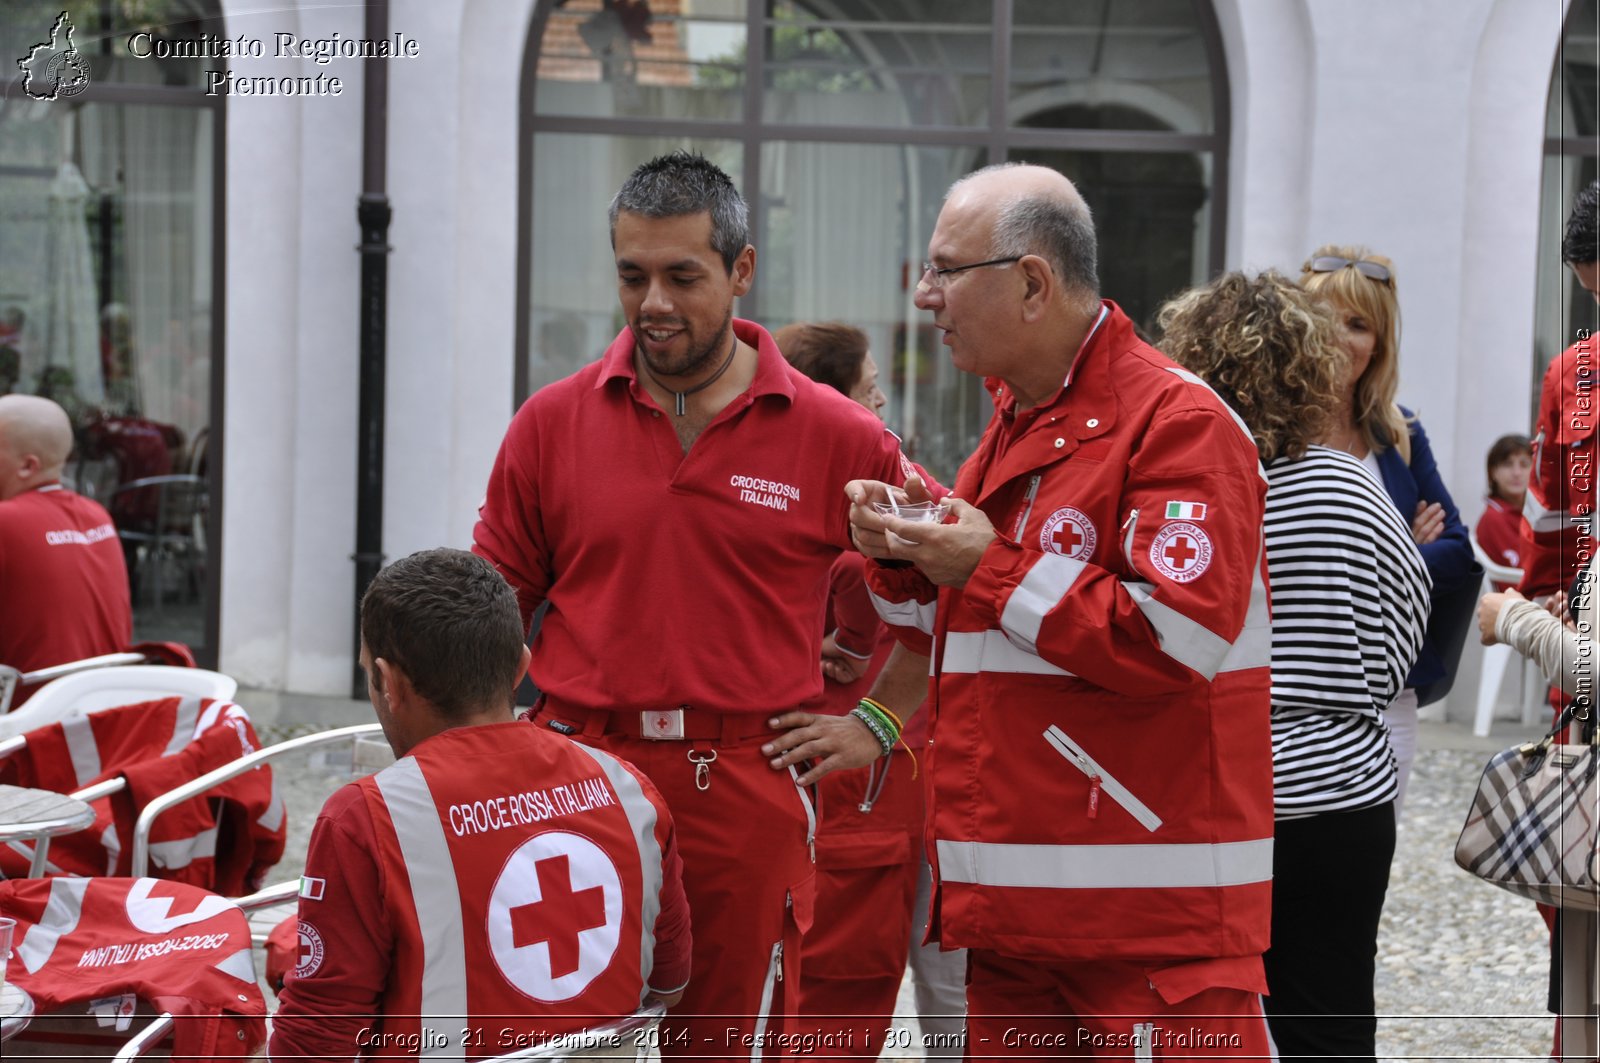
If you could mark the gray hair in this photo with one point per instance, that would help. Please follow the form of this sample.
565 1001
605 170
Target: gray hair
1058 229
680 183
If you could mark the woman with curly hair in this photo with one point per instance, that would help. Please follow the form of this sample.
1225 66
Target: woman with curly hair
1349 601
1359 287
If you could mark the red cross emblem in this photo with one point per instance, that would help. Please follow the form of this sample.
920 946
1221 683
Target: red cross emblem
1180 551
1069 532
562 890
1067 538
559 916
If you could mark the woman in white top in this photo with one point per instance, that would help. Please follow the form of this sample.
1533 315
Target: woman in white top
1349 597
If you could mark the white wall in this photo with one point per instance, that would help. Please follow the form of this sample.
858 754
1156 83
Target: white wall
288 525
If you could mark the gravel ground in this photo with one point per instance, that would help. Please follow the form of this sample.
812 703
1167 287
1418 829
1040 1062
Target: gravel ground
1462 966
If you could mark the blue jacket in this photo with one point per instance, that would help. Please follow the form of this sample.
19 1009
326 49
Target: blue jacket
1449 557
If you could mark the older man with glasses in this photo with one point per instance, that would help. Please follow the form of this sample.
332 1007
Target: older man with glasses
1100 762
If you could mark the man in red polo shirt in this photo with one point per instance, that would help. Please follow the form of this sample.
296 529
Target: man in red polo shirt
62 575
678 503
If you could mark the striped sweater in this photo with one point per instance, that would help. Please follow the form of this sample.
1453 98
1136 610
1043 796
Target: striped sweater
1349 605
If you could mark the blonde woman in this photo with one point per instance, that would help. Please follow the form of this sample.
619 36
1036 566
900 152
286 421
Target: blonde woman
1359 287
1349 598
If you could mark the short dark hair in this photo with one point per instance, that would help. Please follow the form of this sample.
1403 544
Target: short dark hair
830 352
1503 449
1579 245
450 622
680 183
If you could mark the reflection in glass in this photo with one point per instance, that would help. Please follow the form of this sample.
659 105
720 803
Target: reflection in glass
643 58
573 306
846 226
1156 203
1575 86
893 64
175 43
1135 64
105 291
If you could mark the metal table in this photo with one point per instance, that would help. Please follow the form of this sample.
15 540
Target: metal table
39 815
16 1008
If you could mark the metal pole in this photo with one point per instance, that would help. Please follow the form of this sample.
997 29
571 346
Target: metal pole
373 215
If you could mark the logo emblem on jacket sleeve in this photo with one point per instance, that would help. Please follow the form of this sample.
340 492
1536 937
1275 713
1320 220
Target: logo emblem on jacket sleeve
1181 551
555 915
1068 532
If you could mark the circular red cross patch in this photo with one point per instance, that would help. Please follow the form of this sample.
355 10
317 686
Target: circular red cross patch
1180 551
1068 532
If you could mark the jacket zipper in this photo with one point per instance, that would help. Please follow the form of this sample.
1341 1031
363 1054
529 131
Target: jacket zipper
1033 493
1130 526
1100 779
774 976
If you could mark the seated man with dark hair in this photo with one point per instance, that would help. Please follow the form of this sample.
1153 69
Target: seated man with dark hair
499 884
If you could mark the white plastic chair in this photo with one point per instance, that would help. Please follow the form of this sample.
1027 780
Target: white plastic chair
1499 657
103 688
12 680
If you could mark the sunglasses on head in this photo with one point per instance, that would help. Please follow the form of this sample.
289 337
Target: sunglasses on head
1332 263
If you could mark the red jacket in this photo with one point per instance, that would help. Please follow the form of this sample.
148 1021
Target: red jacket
500 882
224 840
176 947
1101 762
1559 509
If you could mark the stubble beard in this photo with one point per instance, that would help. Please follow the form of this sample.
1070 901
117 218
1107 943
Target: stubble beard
697 361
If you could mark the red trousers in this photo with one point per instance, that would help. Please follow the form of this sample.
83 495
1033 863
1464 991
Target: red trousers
748 874
855 952
1204 1009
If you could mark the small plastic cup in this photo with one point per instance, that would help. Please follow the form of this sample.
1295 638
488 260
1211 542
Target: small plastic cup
8 927
919 512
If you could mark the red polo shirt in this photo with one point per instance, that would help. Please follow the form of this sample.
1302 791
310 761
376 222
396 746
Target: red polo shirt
63 580
693 579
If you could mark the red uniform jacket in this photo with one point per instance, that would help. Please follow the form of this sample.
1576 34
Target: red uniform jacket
224 840
1556 542
178 948
523 883
1101 762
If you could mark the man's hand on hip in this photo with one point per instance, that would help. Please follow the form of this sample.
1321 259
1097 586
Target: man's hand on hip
832 742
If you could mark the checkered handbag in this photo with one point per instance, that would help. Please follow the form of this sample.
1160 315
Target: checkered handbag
1532 825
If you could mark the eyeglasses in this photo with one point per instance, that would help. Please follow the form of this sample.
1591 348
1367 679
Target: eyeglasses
1330 264
939 275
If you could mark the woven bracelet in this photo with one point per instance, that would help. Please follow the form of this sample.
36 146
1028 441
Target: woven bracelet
865 716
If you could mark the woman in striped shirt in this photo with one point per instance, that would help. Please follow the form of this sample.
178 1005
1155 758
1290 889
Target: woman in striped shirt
1349 595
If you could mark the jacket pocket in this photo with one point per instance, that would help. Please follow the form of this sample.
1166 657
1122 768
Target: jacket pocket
1100 778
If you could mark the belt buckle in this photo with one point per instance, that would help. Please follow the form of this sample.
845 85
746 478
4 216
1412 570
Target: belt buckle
661 724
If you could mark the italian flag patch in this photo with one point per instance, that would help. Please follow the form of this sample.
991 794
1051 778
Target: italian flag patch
311 888
1186 511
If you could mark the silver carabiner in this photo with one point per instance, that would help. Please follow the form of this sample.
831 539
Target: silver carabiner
702 767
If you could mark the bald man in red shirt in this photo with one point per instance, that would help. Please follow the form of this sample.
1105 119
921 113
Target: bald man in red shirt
62 574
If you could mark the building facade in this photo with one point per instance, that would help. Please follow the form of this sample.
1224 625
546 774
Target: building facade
215 302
